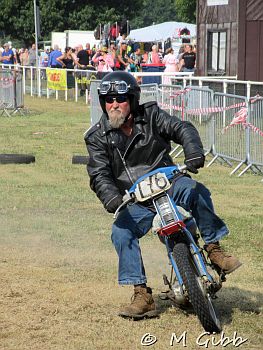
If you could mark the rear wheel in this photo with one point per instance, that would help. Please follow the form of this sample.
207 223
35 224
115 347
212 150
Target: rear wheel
200 300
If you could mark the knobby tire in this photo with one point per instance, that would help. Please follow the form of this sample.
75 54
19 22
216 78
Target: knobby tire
201 303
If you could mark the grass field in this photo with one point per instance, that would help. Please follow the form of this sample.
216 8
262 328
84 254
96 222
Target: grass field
58 268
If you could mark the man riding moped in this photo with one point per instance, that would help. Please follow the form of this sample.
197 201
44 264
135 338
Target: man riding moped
129 141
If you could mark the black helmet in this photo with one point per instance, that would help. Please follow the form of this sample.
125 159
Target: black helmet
118 83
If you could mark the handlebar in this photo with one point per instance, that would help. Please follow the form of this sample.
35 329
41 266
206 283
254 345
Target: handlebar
182 168
127 198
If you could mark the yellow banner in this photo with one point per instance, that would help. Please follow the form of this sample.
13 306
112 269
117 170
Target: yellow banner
85 77
56 79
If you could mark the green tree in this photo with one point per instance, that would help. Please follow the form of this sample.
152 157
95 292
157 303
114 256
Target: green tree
16 19
17 16
185 11
156 11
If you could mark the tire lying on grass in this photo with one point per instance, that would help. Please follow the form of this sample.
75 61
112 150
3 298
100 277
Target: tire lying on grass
80 160
17 158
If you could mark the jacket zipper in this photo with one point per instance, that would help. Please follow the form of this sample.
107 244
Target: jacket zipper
134 137
125 167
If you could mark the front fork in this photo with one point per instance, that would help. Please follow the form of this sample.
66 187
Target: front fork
198 260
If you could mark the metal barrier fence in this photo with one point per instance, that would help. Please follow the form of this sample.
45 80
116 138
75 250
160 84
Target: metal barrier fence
6 91
197 103
223 84
149 92
170 99
19 90
170 96
11 93
95 108
255 136
229 134
189 104
230 126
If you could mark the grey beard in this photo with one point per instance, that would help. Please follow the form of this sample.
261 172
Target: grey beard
117 122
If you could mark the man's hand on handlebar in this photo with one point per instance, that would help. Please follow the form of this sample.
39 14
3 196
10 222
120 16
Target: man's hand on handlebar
194 161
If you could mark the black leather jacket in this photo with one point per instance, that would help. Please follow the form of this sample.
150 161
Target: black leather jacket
116 161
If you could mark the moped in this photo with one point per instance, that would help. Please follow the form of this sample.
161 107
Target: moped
193 279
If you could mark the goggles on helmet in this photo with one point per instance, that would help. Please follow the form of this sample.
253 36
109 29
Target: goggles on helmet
119 87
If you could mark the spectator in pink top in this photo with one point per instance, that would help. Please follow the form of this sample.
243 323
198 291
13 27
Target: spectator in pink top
104 61
153 56
171 64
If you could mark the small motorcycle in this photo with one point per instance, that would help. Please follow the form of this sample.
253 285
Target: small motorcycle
193 280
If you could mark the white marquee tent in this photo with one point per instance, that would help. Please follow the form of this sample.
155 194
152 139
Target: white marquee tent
161 32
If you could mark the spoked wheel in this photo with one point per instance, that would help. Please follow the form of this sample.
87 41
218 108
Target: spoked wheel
201 302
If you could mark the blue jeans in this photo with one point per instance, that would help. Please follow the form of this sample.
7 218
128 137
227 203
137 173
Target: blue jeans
135 220
188 69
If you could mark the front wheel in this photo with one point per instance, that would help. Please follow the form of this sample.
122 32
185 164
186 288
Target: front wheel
200 300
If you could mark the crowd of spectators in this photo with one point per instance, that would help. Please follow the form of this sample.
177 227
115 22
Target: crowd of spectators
124 56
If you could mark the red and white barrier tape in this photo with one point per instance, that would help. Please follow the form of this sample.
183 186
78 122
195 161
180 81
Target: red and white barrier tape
166 105
240 118
207 110
7 79
181 92
254 128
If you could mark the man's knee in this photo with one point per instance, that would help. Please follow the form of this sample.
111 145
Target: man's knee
192 186
120 236
187 191
184 183
202 190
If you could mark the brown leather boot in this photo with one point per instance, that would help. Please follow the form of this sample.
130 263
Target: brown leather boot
142 304
218 257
